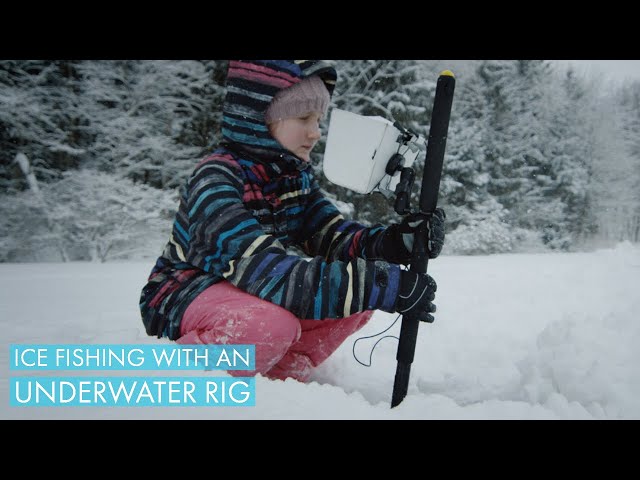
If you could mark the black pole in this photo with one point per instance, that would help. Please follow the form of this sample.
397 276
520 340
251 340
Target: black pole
436 145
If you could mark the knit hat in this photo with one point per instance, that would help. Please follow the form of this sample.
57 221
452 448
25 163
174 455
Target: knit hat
308 95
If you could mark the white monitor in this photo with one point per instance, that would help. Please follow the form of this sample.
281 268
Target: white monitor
359 148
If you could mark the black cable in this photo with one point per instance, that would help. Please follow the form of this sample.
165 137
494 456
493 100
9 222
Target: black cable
353 351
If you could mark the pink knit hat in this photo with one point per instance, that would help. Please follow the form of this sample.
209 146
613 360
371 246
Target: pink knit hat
308 95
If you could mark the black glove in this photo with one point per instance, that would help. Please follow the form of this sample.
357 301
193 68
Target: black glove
397 242
417 291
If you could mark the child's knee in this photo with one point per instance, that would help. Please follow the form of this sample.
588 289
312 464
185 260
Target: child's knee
283 325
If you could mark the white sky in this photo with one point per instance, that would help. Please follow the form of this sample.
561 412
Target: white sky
517 336
614 70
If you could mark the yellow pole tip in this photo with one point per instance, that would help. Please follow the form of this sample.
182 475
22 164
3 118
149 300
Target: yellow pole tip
448 73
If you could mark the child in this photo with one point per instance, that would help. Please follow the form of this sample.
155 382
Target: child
226 277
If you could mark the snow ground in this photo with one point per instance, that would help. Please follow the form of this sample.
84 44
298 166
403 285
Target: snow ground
517 336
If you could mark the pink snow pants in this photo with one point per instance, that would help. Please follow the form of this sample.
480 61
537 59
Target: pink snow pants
286 346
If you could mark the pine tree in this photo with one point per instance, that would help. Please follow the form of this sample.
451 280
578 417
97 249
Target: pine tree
619 173
631 100
570 148
474 217
523 147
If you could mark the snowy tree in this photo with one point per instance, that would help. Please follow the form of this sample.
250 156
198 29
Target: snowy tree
149 117
94 215
203 128
515 145
615 186
570 149
40 117
474 217
531 157
481 231
526 151
630 99
394 89
27 221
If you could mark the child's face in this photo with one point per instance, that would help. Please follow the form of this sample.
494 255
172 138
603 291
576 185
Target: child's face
298 135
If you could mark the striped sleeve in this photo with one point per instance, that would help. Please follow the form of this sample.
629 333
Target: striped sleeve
225 239
328 234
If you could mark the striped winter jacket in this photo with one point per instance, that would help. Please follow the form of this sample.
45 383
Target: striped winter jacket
250 200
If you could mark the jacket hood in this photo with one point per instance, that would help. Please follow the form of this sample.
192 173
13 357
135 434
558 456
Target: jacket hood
251 85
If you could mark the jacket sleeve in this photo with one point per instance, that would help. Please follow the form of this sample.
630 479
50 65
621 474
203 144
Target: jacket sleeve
225 239
326 233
